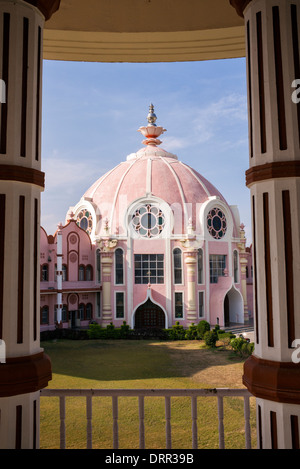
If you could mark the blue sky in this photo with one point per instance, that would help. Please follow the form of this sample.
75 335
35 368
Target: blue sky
91 113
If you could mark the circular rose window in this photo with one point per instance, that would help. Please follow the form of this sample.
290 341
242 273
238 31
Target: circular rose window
148 221
85 221
216 223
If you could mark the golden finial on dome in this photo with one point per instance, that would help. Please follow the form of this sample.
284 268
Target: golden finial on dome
151 118
151 131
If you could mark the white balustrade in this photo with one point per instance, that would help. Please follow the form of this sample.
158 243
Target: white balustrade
219 393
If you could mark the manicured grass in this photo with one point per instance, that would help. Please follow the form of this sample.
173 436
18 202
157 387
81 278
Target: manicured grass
143 364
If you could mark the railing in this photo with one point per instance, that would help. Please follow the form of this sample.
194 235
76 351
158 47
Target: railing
193 394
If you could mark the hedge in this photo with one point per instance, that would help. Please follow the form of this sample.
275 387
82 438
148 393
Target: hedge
200 331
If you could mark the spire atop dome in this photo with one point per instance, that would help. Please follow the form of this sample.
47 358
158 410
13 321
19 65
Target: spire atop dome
151 132
151 118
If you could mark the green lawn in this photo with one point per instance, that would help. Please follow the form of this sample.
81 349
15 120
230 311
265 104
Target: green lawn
142 364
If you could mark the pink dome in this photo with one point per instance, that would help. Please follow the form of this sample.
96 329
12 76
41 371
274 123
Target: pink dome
151 173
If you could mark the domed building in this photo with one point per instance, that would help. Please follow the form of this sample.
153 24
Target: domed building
151 242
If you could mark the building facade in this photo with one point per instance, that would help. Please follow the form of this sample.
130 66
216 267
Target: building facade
266 32
151 242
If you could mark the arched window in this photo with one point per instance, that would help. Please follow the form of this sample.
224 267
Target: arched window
45 315
81 273
81 311
65 313
98 264
98 304
88 273
89 311
200 266
119 267
44 273
177 259
235 266
201 304
64 273
178 305
120 305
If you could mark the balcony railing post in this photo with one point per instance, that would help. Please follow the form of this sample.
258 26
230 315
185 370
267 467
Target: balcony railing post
89 422
141 422
115 422
62 415
221 422
247 422
168 422
194 423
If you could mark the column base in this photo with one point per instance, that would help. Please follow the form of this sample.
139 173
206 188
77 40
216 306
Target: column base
191 318
106 320
22 375
273 381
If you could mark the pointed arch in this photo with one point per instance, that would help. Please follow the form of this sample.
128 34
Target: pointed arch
155 304
233 307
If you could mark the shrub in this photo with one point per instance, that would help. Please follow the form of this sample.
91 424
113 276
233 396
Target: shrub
124 330
210 338
247 349
94 331
177 332
192 332
203 327
112 332
224 339
242 346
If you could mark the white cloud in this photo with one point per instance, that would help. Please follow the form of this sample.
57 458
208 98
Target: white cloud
66 180
174 143
226 111
65 173
203 124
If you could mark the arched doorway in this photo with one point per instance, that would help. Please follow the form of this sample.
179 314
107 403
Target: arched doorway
233 307
149 316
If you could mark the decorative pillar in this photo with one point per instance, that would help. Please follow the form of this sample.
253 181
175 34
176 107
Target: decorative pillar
190 259
107 246
106 262
59 255
243 264
243 259
191 246
26 369
272 373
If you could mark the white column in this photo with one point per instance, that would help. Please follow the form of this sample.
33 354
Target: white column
190 259
59 276
273 44
107 262
26 369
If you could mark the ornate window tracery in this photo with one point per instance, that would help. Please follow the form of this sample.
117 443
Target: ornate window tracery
148 221
84 219
216 223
